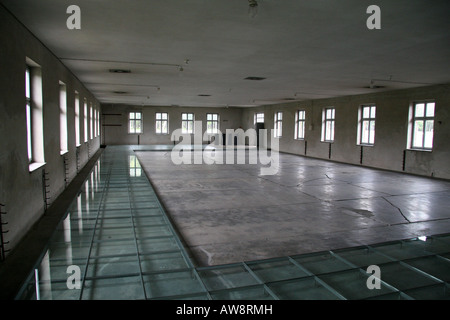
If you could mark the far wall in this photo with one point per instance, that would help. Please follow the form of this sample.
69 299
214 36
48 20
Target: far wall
389 152
115 123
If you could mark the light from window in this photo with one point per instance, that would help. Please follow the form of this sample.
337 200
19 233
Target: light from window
28 113
95 121
328 125
278 124
77 119
63 117
135 122
259 117
34 110
98 122
91 120
187 123
212 123
162 123
367 125
423 125
135 167
300 125
85 115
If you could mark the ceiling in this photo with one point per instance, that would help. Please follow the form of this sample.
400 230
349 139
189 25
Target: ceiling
304 49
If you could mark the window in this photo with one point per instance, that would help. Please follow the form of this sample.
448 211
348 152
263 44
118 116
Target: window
162 123
300 125
91 116
367 125
278 124
98 122
187 123
328 124
422 125
95 121
34 115
85 115
63 143
135 122
259 117
77 119
212 123
28 113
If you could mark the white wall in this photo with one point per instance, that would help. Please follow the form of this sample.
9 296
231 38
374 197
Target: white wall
21 191
391 130
115 122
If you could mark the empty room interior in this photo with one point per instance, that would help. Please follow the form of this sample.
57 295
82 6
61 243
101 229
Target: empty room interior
224 150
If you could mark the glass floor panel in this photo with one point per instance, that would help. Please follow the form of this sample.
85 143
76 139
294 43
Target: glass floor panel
122 242
302 289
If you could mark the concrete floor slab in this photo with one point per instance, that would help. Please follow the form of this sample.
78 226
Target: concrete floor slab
231 213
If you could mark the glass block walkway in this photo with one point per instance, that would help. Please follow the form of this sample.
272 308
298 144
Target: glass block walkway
118 237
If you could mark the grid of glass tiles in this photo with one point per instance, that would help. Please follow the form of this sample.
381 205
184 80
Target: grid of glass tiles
118 235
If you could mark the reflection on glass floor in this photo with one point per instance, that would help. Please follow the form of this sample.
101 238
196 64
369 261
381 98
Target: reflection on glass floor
117 235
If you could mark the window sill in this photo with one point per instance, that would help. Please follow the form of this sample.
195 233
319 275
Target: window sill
420 150
365 145
35 165
63 152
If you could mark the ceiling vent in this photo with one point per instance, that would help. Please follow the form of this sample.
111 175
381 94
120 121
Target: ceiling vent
254 78
120 92
204 95
119 71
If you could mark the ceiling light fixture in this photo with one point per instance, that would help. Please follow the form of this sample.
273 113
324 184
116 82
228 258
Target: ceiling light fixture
252 8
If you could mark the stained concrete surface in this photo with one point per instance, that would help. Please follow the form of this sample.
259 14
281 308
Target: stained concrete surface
231 213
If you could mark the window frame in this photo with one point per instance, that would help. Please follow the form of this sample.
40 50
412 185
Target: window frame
135 121
91 121
34 115
85 121
77 120
257 117
214 123
424 119
300 120
28 113
325 125
371 119
63 127
190 123
278 124
161 120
